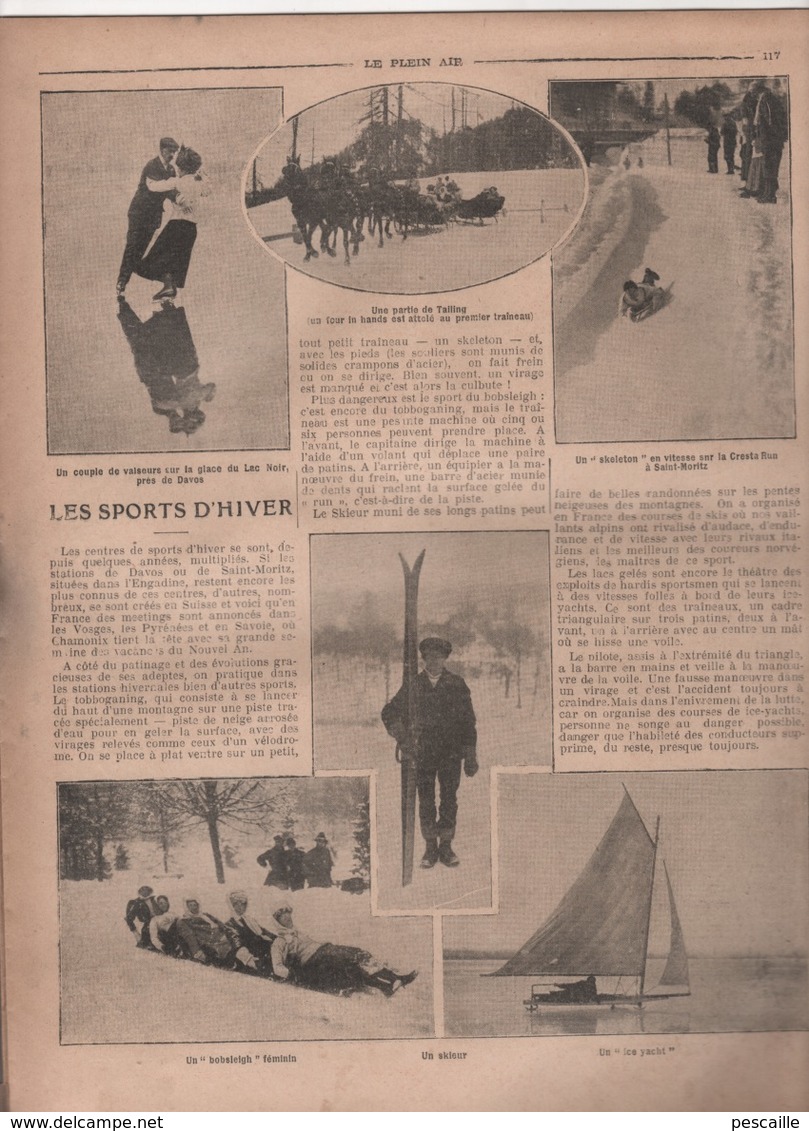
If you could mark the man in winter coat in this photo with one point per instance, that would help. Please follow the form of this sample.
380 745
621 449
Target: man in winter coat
275 859
146 210
318 863
713 141
729 133
293 864
447 741
770 125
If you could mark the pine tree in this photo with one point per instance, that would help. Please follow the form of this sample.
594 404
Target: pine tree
90 815
361 826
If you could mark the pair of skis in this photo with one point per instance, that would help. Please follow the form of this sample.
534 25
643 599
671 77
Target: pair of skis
407 751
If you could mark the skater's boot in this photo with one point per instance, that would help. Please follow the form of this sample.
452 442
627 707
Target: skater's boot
446 855
167 291
430 857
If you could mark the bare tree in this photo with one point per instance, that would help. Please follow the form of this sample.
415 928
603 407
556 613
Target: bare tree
375 638
158 820
235 803
510 637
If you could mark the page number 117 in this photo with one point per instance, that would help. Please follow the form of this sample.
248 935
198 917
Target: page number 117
772 54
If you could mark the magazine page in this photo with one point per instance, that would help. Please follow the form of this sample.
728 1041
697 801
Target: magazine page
404 562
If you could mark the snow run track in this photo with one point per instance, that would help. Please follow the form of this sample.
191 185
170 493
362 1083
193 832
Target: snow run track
716 362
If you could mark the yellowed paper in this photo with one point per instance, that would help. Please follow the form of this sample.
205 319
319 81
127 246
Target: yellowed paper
404 562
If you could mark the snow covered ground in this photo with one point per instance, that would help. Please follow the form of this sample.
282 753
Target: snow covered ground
716 362
507 736
541 206
112 992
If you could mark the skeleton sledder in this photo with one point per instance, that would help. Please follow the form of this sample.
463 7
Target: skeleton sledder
639 300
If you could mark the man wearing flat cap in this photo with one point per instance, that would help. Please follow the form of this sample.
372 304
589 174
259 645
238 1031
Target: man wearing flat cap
146 209
447 741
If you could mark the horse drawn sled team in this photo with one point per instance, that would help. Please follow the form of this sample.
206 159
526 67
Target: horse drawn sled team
329 198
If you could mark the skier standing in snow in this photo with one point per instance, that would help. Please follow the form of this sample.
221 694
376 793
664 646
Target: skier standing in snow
447 742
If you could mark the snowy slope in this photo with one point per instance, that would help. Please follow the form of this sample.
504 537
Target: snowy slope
112 992
717 361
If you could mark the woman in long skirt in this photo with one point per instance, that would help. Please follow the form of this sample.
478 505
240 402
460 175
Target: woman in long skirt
168 259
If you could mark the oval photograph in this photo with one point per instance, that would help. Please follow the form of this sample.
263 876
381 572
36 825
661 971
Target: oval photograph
414 188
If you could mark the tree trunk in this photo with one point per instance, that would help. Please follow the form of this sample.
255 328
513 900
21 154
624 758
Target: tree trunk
99 856
213 833
98 838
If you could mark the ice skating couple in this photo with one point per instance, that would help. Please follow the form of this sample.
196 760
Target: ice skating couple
163 219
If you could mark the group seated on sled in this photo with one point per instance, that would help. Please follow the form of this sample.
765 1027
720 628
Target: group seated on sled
281 952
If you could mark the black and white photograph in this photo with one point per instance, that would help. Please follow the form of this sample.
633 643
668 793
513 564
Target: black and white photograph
414 188
639 903
672 300
430 656
165 326
230 909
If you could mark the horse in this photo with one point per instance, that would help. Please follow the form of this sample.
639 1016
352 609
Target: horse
307 203
343 210
383 201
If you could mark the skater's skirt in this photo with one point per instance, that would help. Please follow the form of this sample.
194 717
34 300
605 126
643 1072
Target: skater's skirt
170 254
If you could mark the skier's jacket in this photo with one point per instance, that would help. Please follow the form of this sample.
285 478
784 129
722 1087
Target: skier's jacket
445 718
